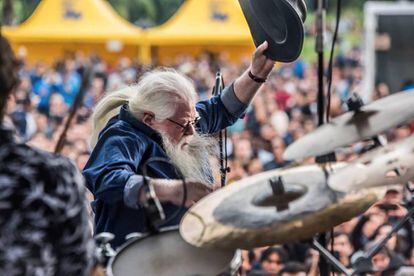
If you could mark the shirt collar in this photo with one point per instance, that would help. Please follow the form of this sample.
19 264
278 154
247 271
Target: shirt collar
126 116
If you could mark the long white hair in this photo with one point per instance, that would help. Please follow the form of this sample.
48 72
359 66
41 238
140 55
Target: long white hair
157 91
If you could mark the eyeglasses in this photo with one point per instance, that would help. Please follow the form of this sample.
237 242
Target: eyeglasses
186 127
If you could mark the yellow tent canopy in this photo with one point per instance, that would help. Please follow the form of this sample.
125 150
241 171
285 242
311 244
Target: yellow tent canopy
61 26
216 26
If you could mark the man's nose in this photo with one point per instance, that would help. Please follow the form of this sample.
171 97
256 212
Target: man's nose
190 130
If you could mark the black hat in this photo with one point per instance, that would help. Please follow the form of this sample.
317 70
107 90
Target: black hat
280 23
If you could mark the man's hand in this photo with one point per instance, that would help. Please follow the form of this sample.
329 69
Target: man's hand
245 87
173 191
195 192
261 65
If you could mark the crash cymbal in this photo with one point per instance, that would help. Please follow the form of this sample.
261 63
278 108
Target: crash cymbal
259 211
354 126
392 164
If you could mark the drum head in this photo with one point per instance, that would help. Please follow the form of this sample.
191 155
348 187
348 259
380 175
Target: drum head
168 254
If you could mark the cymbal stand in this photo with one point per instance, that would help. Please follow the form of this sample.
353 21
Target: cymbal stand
327 256
363 264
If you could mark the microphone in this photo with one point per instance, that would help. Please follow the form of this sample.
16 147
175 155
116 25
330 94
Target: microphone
218 84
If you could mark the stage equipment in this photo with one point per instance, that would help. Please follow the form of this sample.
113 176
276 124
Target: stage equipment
354 126
87 76
280 23
391 164
278 206
224 168
166 253
103 248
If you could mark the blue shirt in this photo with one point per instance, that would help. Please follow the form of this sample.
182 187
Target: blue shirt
114 171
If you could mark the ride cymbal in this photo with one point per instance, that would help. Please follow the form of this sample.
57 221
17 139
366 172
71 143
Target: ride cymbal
260 211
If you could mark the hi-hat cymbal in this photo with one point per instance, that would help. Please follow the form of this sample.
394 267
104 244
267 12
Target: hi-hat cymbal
258 211
392 164
354 126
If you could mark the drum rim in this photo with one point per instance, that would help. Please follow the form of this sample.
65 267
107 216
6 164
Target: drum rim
109 271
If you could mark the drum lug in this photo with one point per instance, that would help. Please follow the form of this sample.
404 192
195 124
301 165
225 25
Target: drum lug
133 236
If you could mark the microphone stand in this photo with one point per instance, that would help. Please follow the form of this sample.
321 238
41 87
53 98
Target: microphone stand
320 30
324 267
224 169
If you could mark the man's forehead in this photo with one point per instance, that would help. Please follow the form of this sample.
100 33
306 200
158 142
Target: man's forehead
186 110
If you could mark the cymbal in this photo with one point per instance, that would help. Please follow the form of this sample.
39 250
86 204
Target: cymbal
258 211
391 164
353 126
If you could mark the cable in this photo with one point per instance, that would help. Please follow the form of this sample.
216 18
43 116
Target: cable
180 175
338 18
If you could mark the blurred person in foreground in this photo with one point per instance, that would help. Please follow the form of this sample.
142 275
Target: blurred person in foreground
43 219
160 117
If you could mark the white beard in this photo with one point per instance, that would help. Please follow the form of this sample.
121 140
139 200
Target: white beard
197 159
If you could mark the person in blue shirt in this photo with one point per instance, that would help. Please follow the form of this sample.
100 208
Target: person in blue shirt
159 117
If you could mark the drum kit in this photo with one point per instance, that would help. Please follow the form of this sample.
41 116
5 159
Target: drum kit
284 205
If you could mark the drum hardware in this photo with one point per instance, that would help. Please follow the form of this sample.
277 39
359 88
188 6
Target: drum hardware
281 197
104 249
133 236
355 104
329 257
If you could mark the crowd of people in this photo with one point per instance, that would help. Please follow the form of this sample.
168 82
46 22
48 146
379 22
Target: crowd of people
283 111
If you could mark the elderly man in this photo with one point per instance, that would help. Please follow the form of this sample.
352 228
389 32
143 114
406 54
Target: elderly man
159 117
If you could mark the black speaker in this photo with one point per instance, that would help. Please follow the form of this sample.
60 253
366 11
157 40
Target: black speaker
395 51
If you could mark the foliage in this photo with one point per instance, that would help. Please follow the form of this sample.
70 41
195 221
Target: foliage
142 12
22 9
155 12
146 12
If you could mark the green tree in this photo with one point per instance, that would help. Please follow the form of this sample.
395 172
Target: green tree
146 12
7 12
16 11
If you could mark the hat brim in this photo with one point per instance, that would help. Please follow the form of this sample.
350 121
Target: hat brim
278 23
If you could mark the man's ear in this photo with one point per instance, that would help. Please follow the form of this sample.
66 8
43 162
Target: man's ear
148 119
